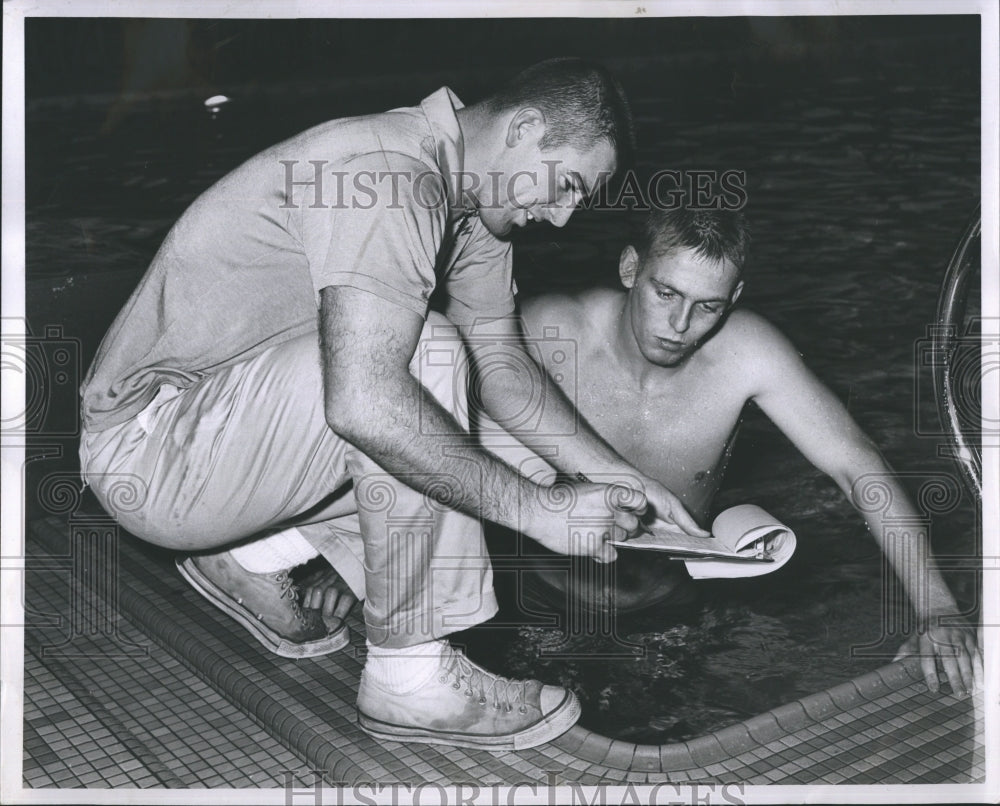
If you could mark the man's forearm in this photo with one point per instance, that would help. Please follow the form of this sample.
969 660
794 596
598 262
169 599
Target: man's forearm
415 438
901 534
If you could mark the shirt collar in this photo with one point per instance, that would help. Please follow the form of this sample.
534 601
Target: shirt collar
449 146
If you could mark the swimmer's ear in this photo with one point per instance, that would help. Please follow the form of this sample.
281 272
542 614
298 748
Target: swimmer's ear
736 293
628 266
527 123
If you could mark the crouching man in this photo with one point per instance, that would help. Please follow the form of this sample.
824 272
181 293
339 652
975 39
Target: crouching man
264 380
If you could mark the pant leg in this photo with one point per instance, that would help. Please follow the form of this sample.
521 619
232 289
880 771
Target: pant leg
248 451
242 452
437 576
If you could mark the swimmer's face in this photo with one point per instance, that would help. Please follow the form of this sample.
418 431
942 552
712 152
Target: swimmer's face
527 183
676 300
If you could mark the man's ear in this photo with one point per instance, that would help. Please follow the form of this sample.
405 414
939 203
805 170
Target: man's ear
527 123
736 293
628 266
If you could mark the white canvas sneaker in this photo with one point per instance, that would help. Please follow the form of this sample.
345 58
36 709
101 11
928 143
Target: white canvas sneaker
463 705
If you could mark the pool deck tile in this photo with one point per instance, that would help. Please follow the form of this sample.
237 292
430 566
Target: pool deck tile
676 757
819 706
844 696
791 716
571 740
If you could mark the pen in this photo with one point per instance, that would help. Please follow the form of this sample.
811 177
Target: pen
644 530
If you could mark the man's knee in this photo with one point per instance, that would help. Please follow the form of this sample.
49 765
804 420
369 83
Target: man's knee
291 371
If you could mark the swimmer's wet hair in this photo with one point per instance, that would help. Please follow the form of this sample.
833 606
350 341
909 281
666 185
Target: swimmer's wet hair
581 101
712 234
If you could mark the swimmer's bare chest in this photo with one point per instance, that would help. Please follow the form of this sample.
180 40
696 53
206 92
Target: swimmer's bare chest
678 430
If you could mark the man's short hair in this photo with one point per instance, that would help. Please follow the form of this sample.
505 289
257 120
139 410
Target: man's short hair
581 101
712 234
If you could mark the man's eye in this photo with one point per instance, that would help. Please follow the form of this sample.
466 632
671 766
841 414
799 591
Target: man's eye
712 309
665 294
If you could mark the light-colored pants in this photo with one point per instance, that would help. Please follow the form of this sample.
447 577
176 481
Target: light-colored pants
247 452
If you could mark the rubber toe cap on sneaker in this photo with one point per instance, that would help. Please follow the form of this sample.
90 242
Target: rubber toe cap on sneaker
551 698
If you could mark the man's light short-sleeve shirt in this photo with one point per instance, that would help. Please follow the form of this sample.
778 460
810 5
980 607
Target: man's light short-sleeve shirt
372 202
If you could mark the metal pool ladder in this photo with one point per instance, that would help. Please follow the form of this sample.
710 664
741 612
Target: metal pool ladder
954 375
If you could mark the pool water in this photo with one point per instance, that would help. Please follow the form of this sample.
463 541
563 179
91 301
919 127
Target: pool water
861 174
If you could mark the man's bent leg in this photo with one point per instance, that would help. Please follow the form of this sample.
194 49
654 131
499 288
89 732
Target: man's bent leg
427 574
242 452
422 568
427 570
249 450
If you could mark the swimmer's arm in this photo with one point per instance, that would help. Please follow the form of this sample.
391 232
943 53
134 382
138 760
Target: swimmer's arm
819 425
517 392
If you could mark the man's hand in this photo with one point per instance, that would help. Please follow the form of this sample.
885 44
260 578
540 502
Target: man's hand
956 647
668 508
581 518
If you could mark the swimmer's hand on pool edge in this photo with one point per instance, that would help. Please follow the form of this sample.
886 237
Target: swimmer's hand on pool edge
955 645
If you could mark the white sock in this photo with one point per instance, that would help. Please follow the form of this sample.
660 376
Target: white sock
405 669
278 552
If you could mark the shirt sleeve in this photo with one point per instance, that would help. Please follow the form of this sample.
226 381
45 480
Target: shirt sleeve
376 230
480 282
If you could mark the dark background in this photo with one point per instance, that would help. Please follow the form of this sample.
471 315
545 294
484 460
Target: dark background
66 56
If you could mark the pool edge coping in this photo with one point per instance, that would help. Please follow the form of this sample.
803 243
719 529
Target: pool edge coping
732 740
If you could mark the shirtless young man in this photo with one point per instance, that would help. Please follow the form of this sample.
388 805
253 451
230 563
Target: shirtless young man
664 370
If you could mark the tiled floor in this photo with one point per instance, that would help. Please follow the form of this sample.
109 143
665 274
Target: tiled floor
163 701
119 711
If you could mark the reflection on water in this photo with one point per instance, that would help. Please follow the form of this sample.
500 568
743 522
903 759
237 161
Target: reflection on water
858 184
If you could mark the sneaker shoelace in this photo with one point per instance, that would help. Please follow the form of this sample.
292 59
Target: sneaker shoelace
291 591
503 692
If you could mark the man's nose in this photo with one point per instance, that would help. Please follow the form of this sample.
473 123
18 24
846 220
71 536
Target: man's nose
680 318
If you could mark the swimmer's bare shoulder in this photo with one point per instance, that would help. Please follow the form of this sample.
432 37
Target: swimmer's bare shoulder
753 348
748 330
